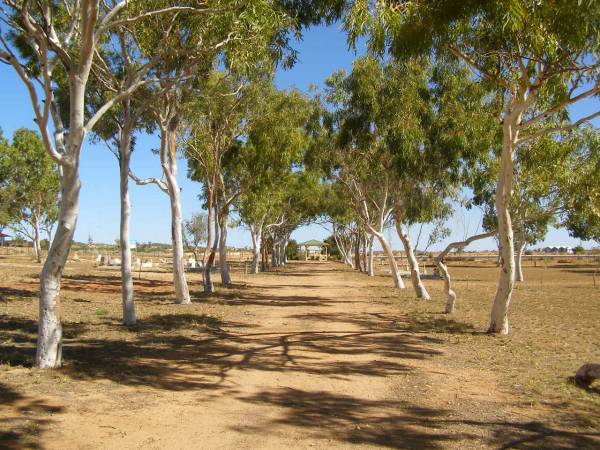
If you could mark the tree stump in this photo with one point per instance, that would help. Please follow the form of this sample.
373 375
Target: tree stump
586 375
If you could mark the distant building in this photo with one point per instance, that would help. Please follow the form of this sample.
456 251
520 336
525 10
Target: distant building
558 250
313 250
3 240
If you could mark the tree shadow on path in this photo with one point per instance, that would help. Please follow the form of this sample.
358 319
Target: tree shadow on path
23 420
401 424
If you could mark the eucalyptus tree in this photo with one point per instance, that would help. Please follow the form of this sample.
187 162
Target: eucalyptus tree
581 189
117 128
49 43
6 188
541 170
52 47
195 232
242 35
355 155
400 116
383 111
302 203
214 122
29 187
370 189
256 208
443 268
439 127
539 57
403 113
276 138
339 213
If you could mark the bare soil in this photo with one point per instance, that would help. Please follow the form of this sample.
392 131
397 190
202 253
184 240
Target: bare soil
311 356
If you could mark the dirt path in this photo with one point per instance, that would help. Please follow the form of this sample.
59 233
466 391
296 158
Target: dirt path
311 361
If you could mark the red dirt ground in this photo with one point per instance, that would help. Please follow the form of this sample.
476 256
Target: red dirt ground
315 356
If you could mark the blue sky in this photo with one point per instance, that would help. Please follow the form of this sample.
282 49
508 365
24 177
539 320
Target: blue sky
322 51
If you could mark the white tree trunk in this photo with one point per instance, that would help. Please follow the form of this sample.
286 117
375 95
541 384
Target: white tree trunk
37 248
209 287
129 317
443 269
49 342
169 166
182 293
413 264
356 245
223 266
398 282
450 294
506 281
282 247
349 261
519 260
370 261
256 247
346 253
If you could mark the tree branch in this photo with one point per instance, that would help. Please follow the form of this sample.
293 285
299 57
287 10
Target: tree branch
556 129
142 182
589 93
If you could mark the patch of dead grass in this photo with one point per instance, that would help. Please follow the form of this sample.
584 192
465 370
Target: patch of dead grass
555 328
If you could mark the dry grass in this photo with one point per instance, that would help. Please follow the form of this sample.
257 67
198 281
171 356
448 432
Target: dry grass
555 328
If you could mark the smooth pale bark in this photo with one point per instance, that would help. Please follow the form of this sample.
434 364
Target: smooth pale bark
223 265
37 247
49 342
398 282
450 294
209 287
169 166
256 233
282 248
129 317
357 265
519 260
182 293
413 264
506 280
445 274
346 252
370 261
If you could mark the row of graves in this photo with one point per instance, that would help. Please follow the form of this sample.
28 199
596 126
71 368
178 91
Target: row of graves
110 261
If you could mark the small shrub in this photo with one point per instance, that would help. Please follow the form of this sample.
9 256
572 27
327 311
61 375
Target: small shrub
102 312
578 250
